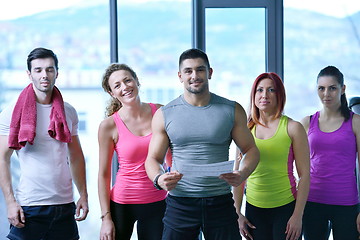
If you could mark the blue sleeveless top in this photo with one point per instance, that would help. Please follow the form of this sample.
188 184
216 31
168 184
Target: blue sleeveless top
199 135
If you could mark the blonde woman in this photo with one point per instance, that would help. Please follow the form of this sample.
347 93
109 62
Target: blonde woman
127 130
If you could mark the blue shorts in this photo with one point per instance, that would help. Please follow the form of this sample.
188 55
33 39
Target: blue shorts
216 217
54 222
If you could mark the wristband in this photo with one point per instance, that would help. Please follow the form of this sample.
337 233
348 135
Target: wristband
155 182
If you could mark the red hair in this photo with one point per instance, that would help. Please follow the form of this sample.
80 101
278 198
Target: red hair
254 113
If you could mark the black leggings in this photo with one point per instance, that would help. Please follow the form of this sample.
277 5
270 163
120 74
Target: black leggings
319 219
270 223
148 216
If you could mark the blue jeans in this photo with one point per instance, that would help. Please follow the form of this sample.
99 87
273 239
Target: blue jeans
54 222
320 218
216 217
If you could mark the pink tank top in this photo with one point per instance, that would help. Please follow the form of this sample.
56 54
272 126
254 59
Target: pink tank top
132 185
333 163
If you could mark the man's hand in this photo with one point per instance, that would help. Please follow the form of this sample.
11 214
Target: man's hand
16 215
169 180
233 178
82 204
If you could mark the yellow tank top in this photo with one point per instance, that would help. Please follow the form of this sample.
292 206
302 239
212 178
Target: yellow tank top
273 183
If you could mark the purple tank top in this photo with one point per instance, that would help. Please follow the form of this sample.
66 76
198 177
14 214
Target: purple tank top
333 164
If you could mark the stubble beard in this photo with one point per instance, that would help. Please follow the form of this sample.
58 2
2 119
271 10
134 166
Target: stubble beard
198 90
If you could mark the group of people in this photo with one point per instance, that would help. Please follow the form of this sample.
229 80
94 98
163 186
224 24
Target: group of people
324 147
298 177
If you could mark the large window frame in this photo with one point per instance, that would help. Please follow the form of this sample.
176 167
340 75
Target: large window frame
114 48
274 32
274 42
114 57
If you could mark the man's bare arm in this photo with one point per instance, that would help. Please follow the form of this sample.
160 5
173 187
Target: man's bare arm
245 142
77 165
15 213
158 147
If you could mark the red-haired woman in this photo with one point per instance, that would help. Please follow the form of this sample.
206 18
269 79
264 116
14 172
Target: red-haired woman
275 198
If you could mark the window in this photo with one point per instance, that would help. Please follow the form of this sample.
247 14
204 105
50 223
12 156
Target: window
235 43
79 34
82 121
317 35
151 37
242 38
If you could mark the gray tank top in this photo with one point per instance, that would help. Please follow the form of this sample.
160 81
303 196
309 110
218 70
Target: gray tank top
199 135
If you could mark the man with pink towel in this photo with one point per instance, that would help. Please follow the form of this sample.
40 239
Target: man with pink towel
43 130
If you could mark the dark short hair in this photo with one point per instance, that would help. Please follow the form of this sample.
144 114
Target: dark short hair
194 53
41 53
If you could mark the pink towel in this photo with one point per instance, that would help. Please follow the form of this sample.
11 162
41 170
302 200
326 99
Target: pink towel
58 127
23 121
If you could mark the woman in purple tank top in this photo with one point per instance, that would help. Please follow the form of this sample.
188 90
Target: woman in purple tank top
334 140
